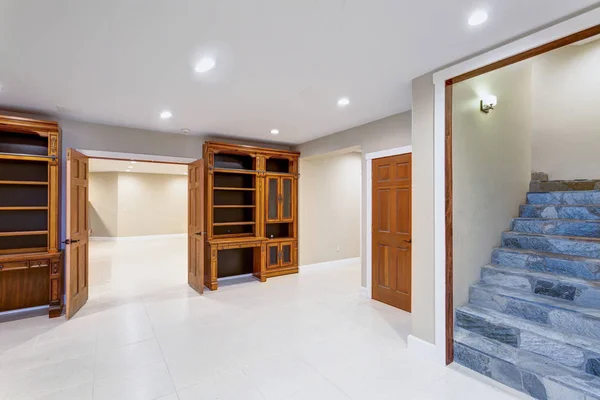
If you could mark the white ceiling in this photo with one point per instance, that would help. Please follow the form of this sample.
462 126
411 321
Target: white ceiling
280 63
100 165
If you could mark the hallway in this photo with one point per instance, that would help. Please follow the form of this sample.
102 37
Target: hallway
306 336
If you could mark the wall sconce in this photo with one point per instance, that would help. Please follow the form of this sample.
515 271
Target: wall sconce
488 103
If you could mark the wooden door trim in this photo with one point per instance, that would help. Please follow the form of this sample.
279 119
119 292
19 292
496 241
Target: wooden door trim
368 254
446 115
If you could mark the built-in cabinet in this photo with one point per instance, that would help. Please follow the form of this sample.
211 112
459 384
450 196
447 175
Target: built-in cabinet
251 208
30 255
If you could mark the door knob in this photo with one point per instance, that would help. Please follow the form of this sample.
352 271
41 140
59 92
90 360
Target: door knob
408 241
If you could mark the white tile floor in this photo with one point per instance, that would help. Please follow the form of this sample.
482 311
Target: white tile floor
300 337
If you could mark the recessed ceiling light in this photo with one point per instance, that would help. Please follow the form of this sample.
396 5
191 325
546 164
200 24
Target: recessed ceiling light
166 115
129 166
185 131
134 162
274 131
343 102
478 18
204 65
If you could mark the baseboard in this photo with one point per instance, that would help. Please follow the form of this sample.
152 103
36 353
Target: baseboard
126 238
363 292
13 315
335 263
421 347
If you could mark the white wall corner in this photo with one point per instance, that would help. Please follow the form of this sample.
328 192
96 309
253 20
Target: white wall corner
364 292
421 347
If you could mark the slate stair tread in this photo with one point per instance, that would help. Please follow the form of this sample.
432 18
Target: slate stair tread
582 342
522 370
587 221
589 312
543 275
567 257
542 235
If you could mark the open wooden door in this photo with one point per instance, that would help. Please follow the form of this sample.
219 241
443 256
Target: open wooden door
77 243
196 230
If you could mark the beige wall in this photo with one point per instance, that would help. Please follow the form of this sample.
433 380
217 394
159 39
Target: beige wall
103 206
329 208
491 167
423 293
129 204
386 133
566 124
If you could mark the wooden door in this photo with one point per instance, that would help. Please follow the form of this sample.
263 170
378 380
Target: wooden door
77 243
285 254
273 208
272 255
285 199
196 229
391 227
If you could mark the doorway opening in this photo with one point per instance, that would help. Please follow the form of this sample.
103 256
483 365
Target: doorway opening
138 229
552 96
330 217
135 229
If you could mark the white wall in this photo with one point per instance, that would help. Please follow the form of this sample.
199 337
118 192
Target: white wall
566 124
329 208
103 192
423 290
383 134
131 204
491 167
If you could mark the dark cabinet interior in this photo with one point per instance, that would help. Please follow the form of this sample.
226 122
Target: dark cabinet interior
233 161
235 262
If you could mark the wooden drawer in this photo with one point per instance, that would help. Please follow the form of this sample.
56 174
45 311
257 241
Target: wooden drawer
14 265
39 263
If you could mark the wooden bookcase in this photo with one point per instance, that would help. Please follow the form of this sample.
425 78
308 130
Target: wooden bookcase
251 206
30 256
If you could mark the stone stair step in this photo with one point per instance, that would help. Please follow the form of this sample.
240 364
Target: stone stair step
552 211
571 198
562 186
575 246
522 370
561 315
566 265
567 349
560 227
580 291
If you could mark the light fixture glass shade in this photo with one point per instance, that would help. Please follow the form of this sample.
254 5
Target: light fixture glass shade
490 100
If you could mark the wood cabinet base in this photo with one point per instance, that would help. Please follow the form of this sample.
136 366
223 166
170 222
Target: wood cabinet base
282 271
31 280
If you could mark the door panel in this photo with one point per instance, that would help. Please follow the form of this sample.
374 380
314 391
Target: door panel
196 230
77 257
286 199
273 255
285 250
273 199
391 239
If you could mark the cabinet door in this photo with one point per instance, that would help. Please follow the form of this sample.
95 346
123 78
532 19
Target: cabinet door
273 213
273 255
286 199
285 249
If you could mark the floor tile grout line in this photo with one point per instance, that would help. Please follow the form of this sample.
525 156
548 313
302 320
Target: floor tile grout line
161 350
324 377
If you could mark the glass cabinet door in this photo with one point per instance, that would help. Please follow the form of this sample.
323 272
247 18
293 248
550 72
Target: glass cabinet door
272 255
273 199
286 199
286 254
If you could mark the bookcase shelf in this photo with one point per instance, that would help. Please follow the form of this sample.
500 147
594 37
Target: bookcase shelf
235 188
24 183
234 223
29 215
24 233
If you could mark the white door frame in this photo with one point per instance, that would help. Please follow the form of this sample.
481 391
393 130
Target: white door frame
369 157
555 32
